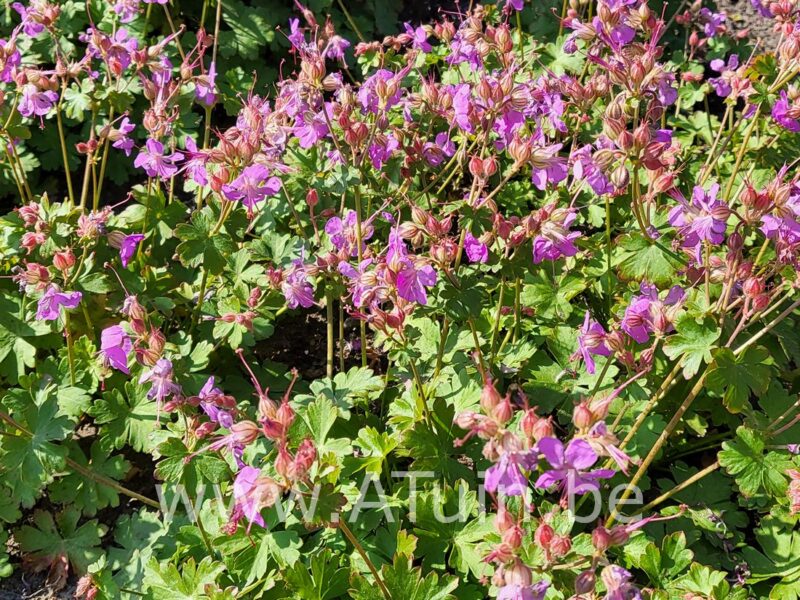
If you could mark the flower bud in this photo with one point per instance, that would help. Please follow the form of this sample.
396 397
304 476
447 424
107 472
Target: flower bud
503 412
518 574
63 260
490 397
560 545
601 539
513 537
582 416
753 286
585 583
544 535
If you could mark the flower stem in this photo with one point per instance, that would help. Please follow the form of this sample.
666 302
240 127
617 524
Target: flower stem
360 549
330 330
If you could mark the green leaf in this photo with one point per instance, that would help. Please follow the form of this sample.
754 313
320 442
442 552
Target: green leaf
376 447
406 582
128 418
754 471
200 245
780 558
29 462
168 583
51 539
174 467
693 342
135 539
737 377
322 579
643 259
86 493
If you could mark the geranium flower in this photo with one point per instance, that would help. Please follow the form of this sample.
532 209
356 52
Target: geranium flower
638 321
53 299
35 101
722 84
786 114
296 288
477 251
115 347
704 219
537 591
253 185
128 247
570 465
160 378
591 341
555 239
618 586
154 162
506 475
207 395
119 136
205 86
251 493
419 38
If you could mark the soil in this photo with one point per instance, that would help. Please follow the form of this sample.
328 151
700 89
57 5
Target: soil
744 16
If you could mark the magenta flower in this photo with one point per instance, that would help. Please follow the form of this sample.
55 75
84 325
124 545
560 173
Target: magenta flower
537 591
120 136
11 62
591 341
584 167
638 320
336 47
419 38
570 465
722 84
506 475
381 149
713 23
362 284
252 186
205 87
517 5
555 239
155 163
244 488
705 219
296 36
49 307
160 378
617 583
412 276
477 251
310 128
786 114
548 167
195 164
36 102
128 247
296 288
343 232
126 9
115 346
208 393
30 23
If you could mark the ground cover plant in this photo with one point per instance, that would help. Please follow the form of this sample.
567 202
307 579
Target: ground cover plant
502 305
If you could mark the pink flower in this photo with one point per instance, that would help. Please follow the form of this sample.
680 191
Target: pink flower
128 247
477 251
36 102
115 346
155 163
296 288
591 341
205 86
120 138
506 475
252 186
555 239
160 376
703 220
569 466
49 308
